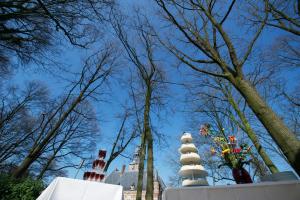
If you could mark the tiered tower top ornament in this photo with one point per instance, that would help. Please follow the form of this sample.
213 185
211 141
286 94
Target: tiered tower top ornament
192 173
97 173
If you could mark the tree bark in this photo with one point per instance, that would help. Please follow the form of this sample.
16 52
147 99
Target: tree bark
145 141
250 132
149 139
283 137
150 167
141 167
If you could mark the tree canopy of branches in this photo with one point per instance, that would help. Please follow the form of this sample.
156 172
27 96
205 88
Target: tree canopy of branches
28 28
17 123
123 138
224 125
92 77
284 15
214 52
75 140
150 75
229 105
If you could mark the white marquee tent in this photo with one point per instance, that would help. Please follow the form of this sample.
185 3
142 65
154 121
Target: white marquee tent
73 189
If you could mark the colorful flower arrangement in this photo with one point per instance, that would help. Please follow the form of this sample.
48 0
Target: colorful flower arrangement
227 148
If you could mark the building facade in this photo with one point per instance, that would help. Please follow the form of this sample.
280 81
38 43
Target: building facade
129 178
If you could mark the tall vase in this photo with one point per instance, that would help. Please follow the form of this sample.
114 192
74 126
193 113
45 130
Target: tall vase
241 176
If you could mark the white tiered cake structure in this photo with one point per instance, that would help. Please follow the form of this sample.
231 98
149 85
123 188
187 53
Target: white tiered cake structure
192 173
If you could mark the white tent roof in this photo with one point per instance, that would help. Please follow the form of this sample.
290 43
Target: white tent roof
73 189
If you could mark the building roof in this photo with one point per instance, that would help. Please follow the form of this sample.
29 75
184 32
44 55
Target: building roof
129 178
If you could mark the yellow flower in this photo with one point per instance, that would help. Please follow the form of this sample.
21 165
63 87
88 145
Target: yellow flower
225 151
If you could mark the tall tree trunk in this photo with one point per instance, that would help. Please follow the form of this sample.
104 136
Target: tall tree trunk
141 167
150 187
145 138
281 134
250 132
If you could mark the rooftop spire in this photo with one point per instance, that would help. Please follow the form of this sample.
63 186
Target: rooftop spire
134 165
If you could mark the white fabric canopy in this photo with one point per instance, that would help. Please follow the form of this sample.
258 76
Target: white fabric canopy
74 189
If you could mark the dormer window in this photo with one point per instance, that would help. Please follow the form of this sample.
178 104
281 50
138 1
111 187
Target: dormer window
132 187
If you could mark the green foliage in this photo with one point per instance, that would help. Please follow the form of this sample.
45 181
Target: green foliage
19 189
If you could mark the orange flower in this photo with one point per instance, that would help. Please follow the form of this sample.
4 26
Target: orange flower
232 139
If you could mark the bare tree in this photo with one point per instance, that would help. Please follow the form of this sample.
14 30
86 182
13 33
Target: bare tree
92 77
204 29
284 15
28 28
284 52
215 112
121 141
150 76
75 139
290 107
231 107
246 127
17 121
174 164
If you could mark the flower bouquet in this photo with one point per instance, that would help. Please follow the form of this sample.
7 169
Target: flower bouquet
233 155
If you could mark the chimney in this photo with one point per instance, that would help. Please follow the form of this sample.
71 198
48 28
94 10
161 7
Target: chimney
123 169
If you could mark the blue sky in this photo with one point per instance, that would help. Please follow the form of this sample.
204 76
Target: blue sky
174 124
